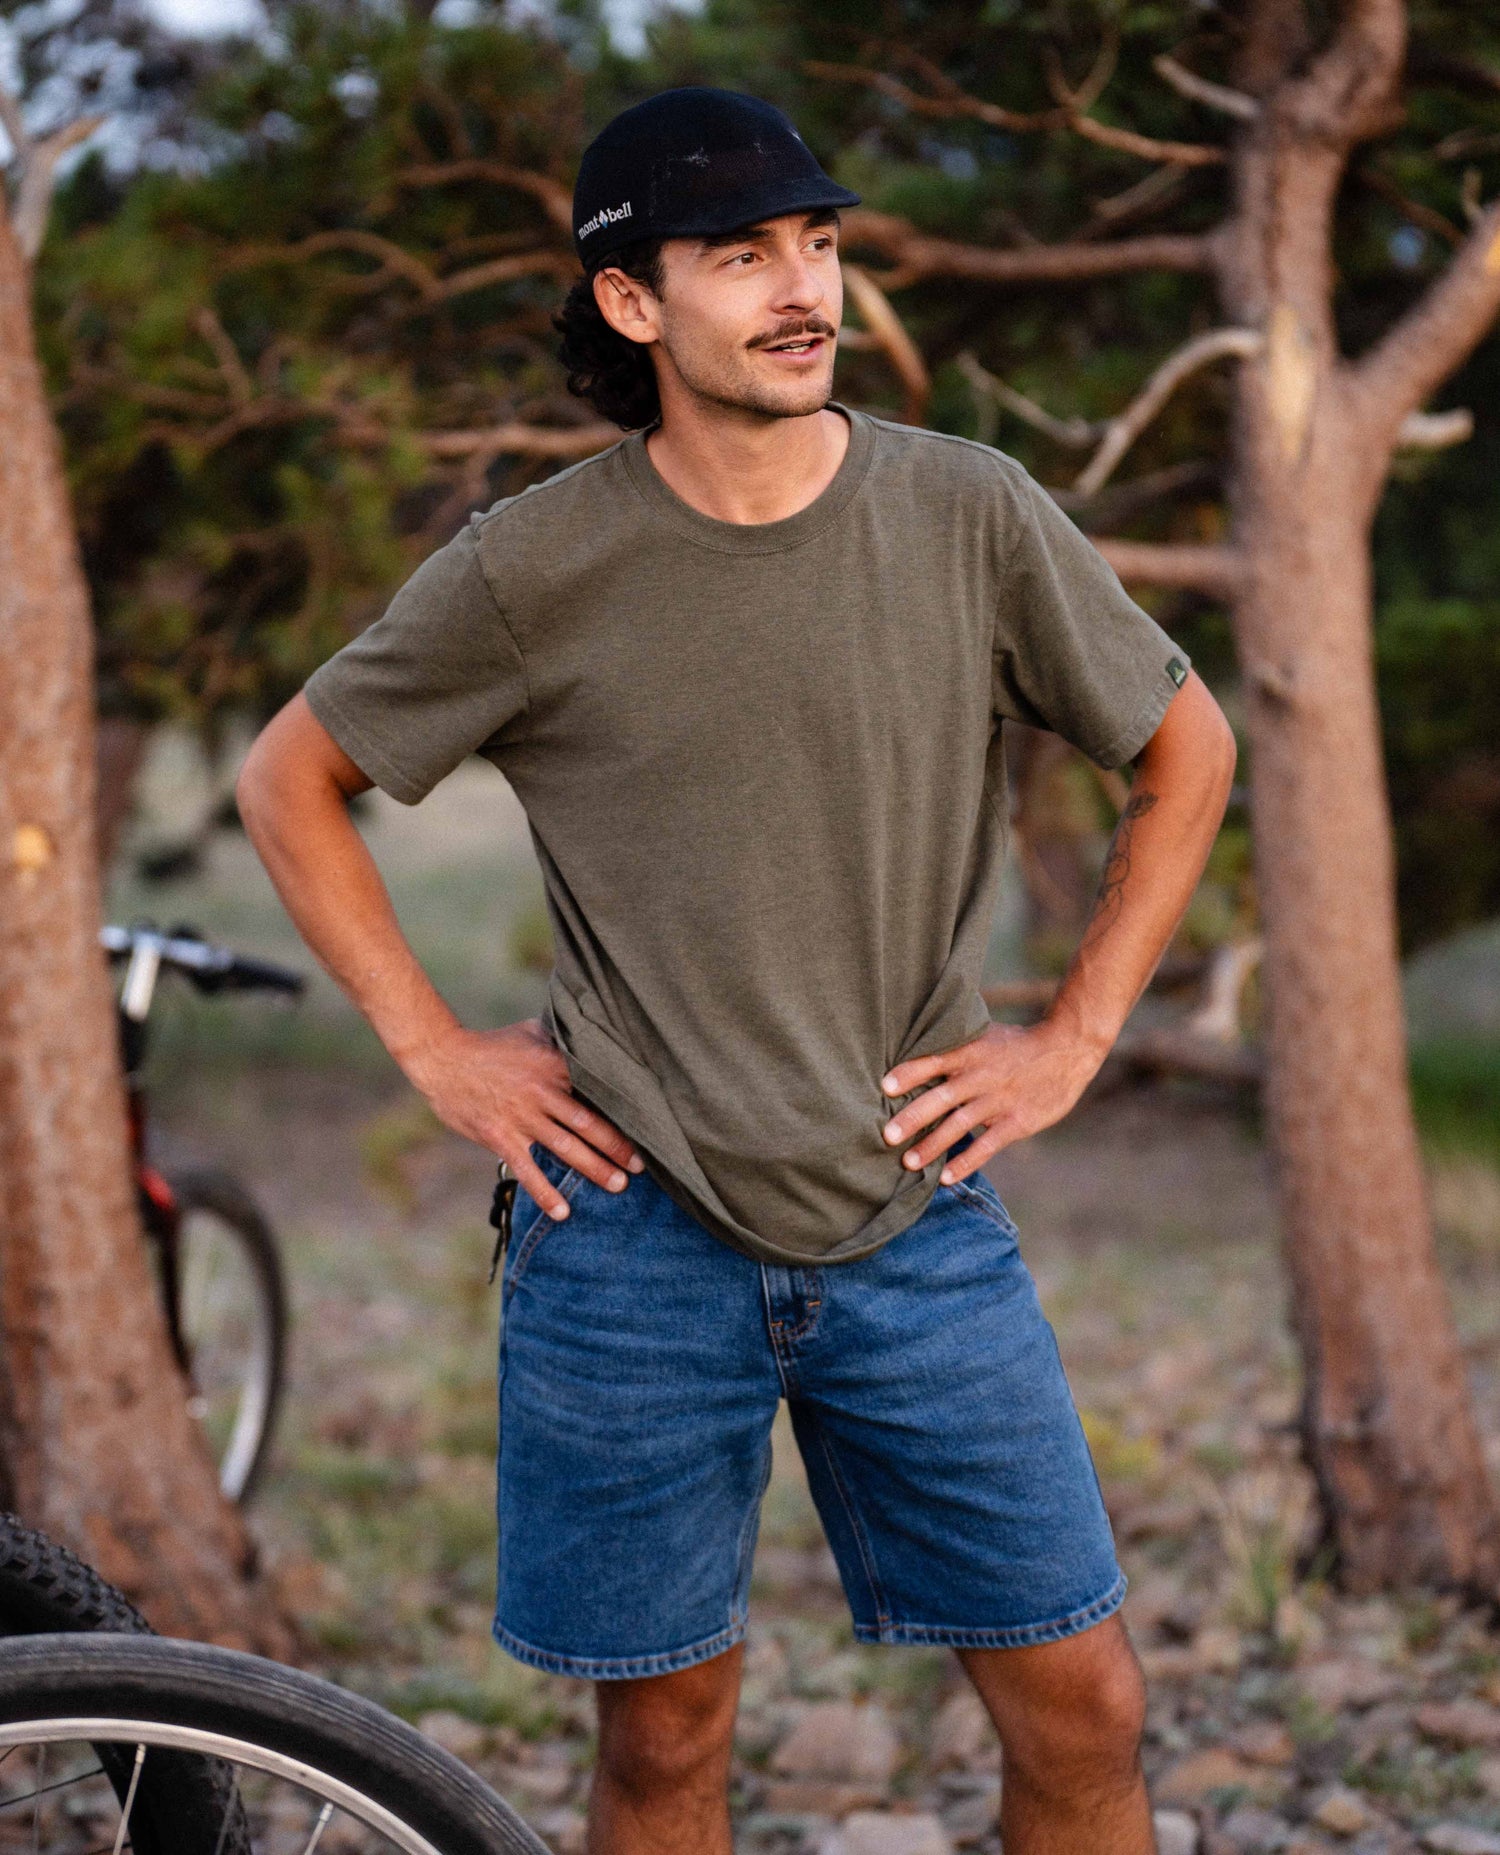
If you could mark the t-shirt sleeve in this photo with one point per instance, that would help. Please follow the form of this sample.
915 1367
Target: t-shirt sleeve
437 675
1073 651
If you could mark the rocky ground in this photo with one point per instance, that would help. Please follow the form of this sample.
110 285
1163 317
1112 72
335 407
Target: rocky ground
1283 1715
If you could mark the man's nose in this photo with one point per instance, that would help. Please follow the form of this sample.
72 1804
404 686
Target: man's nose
800 287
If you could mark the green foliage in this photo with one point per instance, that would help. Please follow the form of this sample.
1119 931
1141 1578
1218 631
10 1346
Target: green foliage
248 365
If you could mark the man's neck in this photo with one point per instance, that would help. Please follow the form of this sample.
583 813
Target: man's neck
746 469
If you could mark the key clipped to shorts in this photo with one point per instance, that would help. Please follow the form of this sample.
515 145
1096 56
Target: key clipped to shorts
501 1208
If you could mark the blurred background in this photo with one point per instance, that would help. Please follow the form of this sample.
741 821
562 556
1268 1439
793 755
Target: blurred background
293 309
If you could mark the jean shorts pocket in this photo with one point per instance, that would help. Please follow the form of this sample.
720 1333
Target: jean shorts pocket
980 1192
529 1222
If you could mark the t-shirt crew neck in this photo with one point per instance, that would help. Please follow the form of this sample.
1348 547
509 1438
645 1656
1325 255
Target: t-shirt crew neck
763 769
755 537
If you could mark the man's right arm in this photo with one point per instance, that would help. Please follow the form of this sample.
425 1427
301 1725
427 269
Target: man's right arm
503 1089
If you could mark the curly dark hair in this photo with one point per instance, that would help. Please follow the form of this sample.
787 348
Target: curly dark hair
614 375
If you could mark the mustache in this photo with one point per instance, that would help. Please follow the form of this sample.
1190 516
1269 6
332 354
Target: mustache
789 331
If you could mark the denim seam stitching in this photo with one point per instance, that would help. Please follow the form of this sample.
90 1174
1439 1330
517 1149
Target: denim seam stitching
533 1230
977 1198
605 1667
857 1526
1016 1636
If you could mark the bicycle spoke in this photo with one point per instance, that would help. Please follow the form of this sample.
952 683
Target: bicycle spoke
36 1810
318 1828
231 1803
135 1778
58 1784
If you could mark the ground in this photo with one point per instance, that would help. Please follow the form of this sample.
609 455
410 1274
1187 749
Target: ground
1282 1715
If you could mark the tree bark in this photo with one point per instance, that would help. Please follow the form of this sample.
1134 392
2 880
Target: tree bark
96 1440
1387 1419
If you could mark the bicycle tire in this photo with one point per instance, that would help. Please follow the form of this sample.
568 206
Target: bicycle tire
242 1709
46 1590
222 1196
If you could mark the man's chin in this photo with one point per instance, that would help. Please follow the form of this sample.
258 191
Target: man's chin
791 399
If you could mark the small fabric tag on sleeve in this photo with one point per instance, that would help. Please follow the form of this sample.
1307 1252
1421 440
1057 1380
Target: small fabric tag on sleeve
1177 670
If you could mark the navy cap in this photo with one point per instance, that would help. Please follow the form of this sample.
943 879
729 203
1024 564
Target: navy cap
689 162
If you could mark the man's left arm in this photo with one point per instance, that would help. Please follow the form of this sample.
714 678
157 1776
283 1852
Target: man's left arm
1014 1080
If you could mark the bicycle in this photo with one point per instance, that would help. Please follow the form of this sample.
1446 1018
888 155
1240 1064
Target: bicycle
110 1734
218 1262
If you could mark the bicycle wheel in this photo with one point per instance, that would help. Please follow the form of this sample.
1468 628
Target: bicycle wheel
313 1767
45 1589
231 1313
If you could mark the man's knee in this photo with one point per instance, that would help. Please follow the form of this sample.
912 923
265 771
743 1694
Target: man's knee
665 1732
1071 1714
1087 1734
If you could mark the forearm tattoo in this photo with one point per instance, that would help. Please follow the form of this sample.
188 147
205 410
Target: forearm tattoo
1117 866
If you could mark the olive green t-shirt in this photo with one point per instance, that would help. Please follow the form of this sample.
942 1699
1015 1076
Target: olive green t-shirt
763 773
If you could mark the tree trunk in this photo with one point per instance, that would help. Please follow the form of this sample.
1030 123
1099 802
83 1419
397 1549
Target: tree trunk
1387 1418
96 1440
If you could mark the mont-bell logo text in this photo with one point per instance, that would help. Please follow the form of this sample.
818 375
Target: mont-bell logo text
606 215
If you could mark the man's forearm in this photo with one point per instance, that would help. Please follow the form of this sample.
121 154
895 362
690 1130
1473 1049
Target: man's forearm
506 1089
299 824
1156 857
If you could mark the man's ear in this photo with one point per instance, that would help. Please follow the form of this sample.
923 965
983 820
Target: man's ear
626 304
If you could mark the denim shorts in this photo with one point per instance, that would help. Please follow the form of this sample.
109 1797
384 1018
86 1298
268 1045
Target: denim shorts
642 1361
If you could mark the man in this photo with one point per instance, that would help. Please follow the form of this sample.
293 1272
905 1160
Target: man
748 672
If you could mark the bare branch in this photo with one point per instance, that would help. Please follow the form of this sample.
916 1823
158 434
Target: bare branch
950 102
231 367
1465 142
890 334
1434 431
1126 427
517 439
550 194
393 260
1199 567
1151 192
1199 89
34 196
1433 338
1084 96
916 257
507 270
397 262
989 388
1075 102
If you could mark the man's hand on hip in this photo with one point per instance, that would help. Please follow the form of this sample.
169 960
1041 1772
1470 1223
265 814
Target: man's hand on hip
505 1089
1014 1081
1011 1080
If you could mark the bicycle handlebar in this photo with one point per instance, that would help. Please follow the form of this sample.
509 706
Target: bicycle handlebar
211 968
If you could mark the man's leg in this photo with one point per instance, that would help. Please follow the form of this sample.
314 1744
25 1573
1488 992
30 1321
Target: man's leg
661 1779
1069 1715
